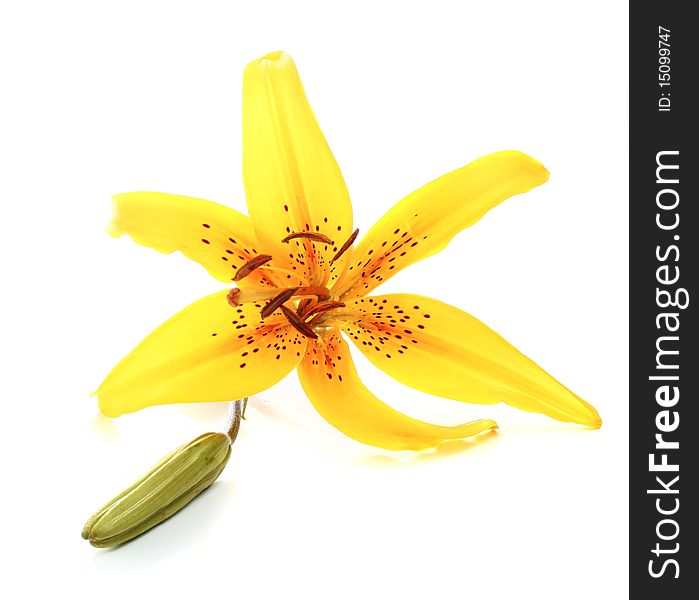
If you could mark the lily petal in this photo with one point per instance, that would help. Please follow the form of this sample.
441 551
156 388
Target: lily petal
441 350
217 237
208 352
292 182
424 222
331 382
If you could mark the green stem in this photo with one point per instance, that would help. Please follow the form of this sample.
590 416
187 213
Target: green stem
236 412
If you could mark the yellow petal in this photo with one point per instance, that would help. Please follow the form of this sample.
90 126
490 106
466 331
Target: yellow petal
441 350
292 181
424 222
331 382
217 237
208 352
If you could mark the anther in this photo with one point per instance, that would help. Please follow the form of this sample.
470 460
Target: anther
277 301
251 265
298 324
303 306
322 293
345 246
315 237
322 307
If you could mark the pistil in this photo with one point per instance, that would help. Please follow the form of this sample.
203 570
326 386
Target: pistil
236 296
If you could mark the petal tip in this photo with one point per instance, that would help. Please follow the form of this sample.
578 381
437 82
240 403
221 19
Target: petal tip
537 169
595 422
274 68
113 230
529 164
544 173
107 408
592 418
272 61
277 55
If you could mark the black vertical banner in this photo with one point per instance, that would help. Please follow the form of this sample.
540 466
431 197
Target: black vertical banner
664 267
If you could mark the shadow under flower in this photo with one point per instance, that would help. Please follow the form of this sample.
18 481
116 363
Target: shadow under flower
268 410
206 412
443 451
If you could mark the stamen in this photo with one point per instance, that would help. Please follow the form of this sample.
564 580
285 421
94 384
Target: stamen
277 301
251 265
345 246
316 237
315 320
303 305
322 293
300 326
322 307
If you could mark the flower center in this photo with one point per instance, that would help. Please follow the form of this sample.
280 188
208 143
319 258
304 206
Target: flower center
302 306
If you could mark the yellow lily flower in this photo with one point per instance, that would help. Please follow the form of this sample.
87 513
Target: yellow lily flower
300 281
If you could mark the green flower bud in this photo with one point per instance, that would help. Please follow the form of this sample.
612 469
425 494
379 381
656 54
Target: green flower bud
166 488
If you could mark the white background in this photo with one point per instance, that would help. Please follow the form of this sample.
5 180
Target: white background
105 97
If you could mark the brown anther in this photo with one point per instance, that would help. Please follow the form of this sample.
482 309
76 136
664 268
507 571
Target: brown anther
233 296
345 246
251 265
298 324
322 307
303 306
315 237
277 301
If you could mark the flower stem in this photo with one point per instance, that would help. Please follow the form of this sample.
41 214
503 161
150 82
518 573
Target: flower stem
236 412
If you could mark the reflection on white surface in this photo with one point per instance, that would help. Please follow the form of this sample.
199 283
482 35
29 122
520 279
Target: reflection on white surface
444 451
104 427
